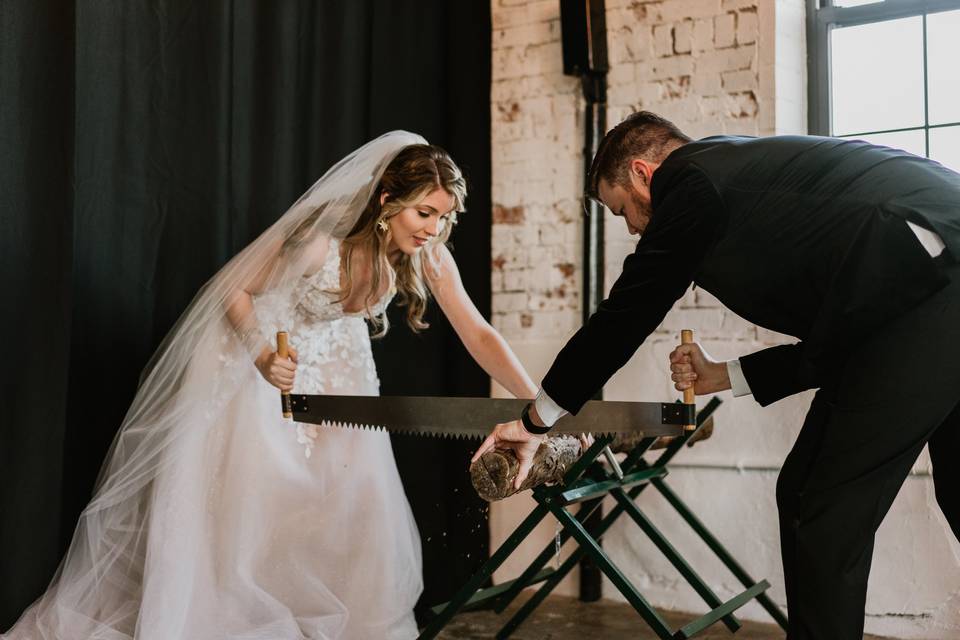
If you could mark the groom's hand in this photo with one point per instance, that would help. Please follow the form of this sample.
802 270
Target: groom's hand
691 366
512 435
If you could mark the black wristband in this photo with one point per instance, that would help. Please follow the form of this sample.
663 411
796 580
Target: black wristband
528 423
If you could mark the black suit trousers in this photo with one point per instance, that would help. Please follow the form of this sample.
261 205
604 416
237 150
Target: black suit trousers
899 391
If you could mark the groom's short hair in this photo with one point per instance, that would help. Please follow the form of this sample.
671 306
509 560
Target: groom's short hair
641 135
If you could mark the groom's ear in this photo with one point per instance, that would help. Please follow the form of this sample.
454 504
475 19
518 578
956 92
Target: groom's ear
641 173
641 168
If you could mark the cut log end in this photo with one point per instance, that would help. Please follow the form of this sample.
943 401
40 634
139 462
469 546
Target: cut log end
494 473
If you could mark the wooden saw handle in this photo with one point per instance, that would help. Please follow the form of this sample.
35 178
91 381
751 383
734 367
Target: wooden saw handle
689 395
283 352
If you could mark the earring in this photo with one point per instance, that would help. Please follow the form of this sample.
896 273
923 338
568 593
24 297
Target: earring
382 225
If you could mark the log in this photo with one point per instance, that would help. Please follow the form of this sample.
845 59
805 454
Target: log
493 474
624 443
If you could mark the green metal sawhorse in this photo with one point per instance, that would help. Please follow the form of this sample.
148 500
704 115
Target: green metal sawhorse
586 480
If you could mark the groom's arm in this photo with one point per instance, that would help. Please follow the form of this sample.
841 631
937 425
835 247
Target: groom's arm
774 373
683 227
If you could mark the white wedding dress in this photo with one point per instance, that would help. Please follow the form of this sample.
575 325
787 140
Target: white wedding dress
262 529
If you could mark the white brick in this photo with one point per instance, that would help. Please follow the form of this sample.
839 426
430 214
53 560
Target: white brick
663 40
554 300
740 126
710 108
705 299
702 39
736 5
504 17
745 105
529 13
522 35
676 10
500 235
676 88
503 90
728 60
736 81
511 62
733 327
514 280
541 10
671 67
512 258
706 84
511 130
767 337
496 281
624 74
559 323
622 17
747 28
649 94
683 112
507 302
508 324
707 322
689 299
622 102
551 234
568 210
725 28
683 37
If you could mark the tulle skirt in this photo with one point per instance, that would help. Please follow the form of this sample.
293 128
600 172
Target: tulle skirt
245 536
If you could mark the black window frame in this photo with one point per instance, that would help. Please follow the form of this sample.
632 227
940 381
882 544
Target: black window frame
822 17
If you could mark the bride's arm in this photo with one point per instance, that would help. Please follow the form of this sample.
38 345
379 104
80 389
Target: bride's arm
483 342
239 311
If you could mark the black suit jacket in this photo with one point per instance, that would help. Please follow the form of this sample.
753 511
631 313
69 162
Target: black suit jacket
802 235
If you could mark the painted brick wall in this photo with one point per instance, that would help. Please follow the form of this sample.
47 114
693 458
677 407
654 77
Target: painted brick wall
696 60
536 190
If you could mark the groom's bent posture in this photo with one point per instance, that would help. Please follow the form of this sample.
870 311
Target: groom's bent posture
849 247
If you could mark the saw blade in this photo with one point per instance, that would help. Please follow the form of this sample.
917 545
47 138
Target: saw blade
476 417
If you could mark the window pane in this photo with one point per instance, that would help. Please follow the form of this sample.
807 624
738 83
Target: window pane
853 3
945 146
910 141
877 76
943 53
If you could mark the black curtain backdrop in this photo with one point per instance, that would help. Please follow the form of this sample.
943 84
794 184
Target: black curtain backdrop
144 143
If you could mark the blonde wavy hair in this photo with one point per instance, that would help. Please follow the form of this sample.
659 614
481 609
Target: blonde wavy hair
412 175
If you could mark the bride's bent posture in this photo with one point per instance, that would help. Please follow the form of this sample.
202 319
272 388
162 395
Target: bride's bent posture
214 517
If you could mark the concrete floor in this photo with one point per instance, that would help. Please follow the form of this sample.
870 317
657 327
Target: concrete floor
566 618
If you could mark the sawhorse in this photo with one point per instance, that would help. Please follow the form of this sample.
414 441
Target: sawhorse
586 480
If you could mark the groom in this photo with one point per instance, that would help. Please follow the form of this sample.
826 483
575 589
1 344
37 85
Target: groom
848 247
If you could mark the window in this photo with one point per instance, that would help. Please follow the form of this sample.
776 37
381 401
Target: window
888 72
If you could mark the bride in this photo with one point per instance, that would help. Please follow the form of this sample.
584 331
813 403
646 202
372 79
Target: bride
214 517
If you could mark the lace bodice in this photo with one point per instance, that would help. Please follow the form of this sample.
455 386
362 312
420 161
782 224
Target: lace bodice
318 303
333 345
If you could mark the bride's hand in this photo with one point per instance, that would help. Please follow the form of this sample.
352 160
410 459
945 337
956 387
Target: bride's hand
278 371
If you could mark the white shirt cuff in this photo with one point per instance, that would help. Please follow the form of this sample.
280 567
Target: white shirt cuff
931 242
738 382
548 410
